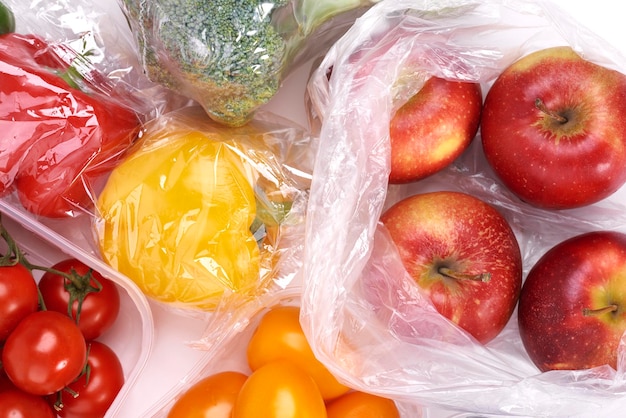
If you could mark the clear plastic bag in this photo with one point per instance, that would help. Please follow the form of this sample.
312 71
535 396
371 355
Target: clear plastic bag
232 56
76 99
203 216
97 28
378 333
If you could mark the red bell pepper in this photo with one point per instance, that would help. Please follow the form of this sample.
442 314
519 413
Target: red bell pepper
56 139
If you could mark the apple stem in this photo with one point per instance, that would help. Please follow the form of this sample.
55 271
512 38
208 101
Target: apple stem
482 277
600 311
539 104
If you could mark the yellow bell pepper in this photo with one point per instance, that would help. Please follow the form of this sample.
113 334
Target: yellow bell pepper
175 218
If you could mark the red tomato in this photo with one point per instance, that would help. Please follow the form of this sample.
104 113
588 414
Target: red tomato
96 395
280 336
362 405
44 353
213 396
99 309
279 390
18 297
15 403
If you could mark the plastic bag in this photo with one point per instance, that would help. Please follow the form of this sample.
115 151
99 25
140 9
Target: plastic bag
202 216
232 56
76 100
378 333
96 28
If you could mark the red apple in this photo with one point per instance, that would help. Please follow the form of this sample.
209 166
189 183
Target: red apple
554 131
464 256
433 128
572 308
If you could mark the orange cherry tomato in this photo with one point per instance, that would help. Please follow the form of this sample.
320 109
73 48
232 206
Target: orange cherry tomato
279 390
362 405
214 396
280 336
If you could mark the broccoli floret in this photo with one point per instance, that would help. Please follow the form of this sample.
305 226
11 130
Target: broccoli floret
229 55
225 54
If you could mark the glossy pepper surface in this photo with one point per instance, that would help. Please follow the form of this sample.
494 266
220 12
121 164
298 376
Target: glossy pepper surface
59 133
175 217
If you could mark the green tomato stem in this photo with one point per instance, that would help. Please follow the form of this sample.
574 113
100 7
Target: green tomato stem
78 286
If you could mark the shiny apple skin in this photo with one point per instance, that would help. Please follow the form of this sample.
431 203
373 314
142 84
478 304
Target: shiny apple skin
585 271
547 163
433 128
469 236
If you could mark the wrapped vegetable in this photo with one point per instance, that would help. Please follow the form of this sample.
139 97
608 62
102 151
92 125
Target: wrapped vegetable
231 55
60 129
188 191
194 213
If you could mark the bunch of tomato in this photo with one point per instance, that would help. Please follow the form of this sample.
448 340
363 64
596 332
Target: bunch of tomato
286 380
52 361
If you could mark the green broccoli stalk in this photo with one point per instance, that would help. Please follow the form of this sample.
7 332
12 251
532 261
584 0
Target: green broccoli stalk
228 55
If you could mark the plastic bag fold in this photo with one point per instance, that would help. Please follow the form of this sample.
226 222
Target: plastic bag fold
365 318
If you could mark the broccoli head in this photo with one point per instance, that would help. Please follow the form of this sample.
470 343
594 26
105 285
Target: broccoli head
228 55
225 54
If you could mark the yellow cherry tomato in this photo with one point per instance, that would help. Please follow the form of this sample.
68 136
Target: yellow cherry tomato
279 336
213 396
362 405
279 390
175 218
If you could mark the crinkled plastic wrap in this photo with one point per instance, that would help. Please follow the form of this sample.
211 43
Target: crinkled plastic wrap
56 134
206 217
231 56
74 101
95 30
364 316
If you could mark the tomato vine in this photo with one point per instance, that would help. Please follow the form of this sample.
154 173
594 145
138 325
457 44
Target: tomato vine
77 285
48 332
